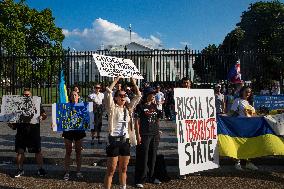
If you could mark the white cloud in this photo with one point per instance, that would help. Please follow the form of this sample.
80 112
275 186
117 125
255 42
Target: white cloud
106 33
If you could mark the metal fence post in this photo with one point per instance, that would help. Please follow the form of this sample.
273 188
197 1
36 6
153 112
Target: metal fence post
186 61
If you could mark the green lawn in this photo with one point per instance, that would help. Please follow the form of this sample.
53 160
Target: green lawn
48 95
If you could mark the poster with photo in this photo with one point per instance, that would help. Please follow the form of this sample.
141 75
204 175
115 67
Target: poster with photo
20 109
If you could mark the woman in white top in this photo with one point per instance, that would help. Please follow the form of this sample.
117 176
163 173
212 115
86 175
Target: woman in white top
118 128
242 108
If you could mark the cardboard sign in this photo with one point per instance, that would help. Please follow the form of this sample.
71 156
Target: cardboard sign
196 130
20 109
276 122
272 102
71 116
112 67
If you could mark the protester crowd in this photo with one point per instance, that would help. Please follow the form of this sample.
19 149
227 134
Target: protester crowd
133 119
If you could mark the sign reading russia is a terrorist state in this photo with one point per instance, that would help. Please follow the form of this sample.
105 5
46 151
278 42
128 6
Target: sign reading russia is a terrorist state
112 67
196 130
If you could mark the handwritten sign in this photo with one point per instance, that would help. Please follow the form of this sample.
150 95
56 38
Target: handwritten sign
20 109
112 67
196 130
270 102
70 116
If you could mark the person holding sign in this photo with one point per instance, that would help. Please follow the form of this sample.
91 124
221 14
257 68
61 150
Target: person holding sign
119 118
242 108
28 136
69 137
148 136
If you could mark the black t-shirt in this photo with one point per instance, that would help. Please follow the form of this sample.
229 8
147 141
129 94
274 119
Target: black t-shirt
149 119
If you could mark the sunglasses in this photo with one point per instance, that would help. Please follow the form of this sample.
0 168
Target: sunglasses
122 95
97 87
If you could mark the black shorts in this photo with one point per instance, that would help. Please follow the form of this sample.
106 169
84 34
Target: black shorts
73 135
28 136
118 149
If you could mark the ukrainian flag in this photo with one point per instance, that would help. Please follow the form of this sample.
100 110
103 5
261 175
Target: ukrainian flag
244 138
63 96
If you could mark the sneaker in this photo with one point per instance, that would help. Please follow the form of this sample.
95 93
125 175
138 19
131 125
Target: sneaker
139 186
122 187
182 177
41 172
66 176
251 166
238 166
157 181
79 175
19 173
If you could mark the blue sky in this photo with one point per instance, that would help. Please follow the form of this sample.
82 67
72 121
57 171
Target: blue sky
168 24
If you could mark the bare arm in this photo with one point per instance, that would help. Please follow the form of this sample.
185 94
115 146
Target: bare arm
133 103
114 82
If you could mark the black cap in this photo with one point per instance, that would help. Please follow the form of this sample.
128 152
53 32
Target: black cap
148 90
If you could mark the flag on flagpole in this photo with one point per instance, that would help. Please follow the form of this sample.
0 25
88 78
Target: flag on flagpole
234 74
63 96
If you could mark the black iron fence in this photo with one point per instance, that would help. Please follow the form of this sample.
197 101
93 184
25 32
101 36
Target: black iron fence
41 73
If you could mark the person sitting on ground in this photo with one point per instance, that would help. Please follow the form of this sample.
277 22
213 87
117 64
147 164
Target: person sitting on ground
69 137
118 149
28 136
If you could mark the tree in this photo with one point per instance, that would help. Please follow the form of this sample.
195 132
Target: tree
30 37
26 30
263 26
233 41
207 64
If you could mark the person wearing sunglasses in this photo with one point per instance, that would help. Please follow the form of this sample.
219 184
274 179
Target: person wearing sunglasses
28 137
241 107
119 119
97 98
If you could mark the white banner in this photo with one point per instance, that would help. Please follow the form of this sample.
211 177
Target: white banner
112 67
196 130
276 122
20 109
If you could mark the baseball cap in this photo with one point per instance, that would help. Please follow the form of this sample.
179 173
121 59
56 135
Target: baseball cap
148 90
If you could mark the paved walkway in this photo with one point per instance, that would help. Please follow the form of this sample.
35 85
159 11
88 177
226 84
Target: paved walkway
53 146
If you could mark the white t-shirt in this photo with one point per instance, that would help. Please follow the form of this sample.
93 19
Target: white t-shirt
242 106
122 125
159 97
97 98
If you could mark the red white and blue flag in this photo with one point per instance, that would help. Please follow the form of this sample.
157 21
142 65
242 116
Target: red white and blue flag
234 75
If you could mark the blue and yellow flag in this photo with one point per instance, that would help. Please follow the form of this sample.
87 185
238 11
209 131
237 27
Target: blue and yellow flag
63 96
244 138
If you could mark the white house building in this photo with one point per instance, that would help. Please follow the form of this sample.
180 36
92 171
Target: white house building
154 65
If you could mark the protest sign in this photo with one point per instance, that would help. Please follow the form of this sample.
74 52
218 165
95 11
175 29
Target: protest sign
112 67
196 130
20 109
71 116
276 122
272 102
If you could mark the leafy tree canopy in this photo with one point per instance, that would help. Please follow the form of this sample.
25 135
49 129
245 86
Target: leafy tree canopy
26 30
